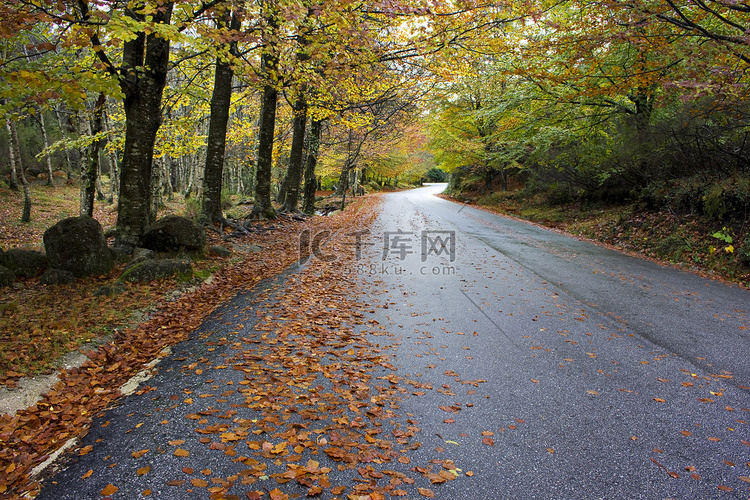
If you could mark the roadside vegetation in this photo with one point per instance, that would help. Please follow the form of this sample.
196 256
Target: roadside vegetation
696 239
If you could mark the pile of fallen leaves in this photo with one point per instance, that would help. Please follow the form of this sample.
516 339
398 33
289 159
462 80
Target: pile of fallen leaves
28 437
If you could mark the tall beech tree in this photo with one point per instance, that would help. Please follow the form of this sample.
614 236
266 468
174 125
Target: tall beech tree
263 208
221 100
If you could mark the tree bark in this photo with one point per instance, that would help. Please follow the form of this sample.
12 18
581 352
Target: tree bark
263 209
143 96
12 156
68 162
15 159
47 157
221 99
296 156
114 168
311 183
90 172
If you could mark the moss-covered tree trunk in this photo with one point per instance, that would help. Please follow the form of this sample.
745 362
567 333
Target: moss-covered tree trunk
90 172
15 160
311 183
145 67
296 156
263 209
221 99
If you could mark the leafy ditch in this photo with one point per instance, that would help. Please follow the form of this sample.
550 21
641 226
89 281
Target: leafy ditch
303 404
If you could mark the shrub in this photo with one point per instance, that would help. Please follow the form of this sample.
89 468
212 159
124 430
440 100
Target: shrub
436 174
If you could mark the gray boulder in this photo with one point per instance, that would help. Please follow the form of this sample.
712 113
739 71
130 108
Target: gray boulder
152 269
174 233
6 276
57 277
25 263
77 245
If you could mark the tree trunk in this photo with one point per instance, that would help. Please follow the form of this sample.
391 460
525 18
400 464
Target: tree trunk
68 162
217 132
311 184
12 156
114 167
90 173
266 128
143 96
15 159
296 155
47 157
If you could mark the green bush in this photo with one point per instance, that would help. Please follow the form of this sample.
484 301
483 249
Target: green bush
436 174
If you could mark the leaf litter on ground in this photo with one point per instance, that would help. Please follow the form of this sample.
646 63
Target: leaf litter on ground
318 387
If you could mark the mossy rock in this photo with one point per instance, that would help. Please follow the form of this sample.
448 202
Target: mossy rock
151 269
6 276
27 263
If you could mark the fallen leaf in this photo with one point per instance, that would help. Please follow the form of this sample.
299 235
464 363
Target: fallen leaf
425 492
108 490
488 441
143 470
88 474
277 494
138 454
179 452
198 482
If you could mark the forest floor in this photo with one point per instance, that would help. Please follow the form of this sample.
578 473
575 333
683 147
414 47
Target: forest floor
40 324
697 244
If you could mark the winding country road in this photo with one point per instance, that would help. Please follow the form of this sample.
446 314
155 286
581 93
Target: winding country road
527 364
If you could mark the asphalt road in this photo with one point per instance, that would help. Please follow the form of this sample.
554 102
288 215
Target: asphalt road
599 373
540 365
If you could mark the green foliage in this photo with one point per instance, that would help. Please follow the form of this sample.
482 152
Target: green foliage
226 199
743 252
724 235
436 174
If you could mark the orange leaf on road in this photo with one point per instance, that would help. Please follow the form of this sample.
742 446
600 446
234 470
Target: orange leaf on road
108 490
